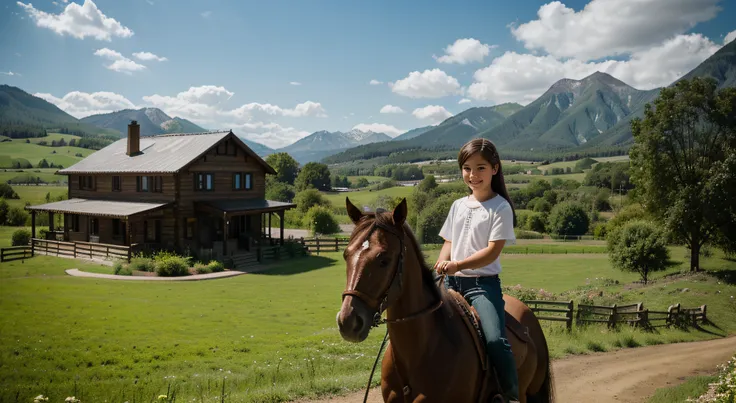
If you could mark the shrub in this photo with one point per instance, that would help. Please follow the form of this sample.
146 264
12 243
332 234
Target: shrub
21 237
171 265
306 199
600 231
17 217
536 222
521 234
568 218
201 268
432 218
215 266
7 192
320 220
142 264
122 270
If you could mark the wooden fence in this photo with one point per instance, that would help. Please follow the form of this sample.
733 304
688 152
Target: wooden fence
15 252
324 244
80 249
632 314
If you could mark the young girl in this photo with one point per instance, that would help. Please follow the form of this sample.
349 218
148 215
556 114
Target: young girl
475 231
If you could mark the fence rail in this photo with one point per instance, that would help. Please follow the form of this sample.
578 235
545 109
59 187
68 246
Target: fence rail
542 306
80 249
15 253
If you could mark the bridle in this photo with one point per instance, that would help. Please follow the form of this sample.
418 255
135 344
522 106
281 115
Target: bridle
382 303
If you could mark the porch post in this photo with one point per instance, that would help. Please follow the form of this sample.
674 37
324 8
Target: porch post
51 221
224 233
269 226
128 235
33 224
281 229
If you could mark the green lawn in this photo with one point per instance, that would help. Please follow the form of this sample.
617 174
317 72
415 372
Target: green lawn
52 137
273 335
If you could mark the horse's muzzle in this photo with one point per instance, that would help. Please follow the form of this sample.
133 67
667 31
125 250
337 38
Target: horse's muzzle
354 319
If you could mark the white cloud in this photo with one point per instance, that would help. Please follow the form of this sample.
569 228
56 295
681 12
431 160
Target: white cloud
206 14
11 73
375 82
611 27
465 51
269 134
203 104
729 37
432 113
146 56
120 63
295 83
522 78
379 128
82 104
263 111
433 83
391 109
79 21
464 101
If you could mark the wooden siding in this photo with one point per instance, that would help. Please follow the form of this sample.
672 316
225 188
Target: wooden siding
128 190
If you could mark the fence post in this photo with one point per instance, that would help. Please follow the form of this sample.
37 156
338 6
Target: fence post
568 315
612 319
336 247
317 241
129 248
705 318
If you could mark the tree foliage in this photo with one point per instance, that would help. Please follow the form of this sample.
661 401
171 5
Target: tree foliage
684 161
285 166
640 247
319 220
568 218
315 175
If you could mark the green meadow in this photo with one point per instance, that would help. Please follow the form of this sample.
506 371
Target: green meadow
272 336
35 194
65 156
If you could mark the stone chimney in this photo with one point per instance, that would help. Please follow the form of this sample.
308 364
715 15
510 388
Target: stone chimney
134 138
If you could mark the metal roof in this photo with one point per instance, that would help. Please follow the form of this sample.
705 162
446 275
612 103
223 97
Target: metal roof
106 208
238 205
166 153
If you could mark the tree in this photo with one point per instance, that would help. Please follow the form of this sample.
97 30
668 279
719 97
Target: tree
639 247
278 191
313 174
362 182
306 199
568 218
683 162
320 220
4 209
285 166
427 184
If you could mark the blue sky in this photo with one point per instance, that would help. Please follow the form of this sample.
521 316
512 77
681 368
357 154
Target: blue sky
277 71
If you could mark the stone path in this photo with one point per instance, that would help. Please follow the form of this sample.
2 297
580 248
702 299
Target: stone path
195 277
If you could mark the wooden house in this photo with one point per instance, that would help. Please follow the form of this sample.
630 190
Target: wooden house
179 192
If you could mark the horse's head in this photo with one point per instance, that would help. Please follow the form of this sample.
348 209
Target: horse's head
374 262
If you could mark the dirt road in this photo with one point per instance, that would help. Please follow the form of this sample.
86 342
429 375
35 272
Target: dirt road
629 375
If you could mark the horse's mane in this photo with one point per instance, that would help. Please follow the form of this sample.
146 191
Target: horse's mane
386 220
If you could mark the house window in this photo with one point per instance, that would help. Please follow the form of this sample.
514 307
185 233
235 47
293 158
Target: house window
189 226
87 182
149 183
94 226
204 181
242 180
116 184
74 223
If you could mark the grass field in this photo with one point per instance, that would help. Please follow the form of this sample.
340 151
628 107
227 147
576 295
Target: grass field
46 174
268 336
35 194
66 156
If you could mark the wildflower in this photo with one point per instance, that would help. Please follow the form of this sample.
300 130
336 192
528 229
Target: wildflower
162 397
72 399
40 398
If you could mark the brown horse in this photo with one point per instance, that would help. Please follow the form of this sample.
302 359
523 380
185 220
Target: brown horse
433 355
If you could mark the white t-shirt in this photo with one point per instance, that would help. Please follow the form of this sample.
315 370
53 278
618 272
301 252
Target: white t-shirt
470 225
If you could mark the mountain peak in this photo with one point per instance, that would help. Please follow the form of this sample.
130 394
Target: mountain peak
578 86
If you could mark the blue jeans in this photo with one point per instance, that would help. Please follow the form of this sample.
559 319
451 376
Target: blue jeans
485 295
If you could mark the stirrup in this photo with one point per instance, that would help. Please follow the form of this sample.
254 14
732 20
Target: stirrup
498 399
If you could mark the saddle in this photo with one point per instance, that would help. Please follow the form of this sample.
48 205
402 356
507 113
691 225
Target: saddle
516 333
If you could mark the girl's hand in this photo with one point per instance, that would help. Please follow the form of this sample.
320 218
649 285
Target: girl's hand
446 267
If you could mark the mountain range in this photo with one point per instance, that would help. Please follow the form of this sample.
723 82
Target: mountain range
153 121
323 143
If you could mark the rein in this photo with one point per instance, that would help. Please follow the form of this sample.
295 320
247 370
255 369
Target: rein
382 303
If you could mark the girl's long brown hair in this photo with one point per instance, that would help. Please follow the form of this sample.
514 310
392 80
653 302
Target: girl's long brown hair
488 151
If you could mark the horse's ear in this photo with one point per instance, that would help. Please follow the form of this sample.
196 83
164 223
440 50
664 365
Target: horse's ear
353 212
400 213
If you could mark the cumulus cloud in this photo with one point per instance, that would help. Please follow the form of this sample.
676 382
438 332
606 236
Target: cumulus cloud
432 113
375 82
391 109
729 37
611 27
120 63
295 83
433 83
464 101
148 56
11 73
269 134
515 77
81 104
463 51
379 128
79 21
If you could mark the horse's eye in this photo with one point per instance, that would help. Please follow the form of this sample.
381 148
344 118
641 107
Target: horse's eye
384 263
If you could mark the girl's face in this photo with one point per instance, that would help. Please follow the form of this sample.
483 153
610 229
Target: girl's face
477 173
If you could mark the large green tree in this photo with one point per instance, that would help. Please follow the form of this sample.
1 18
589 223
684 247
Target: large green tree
313 174
639 247
683 162
285 166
